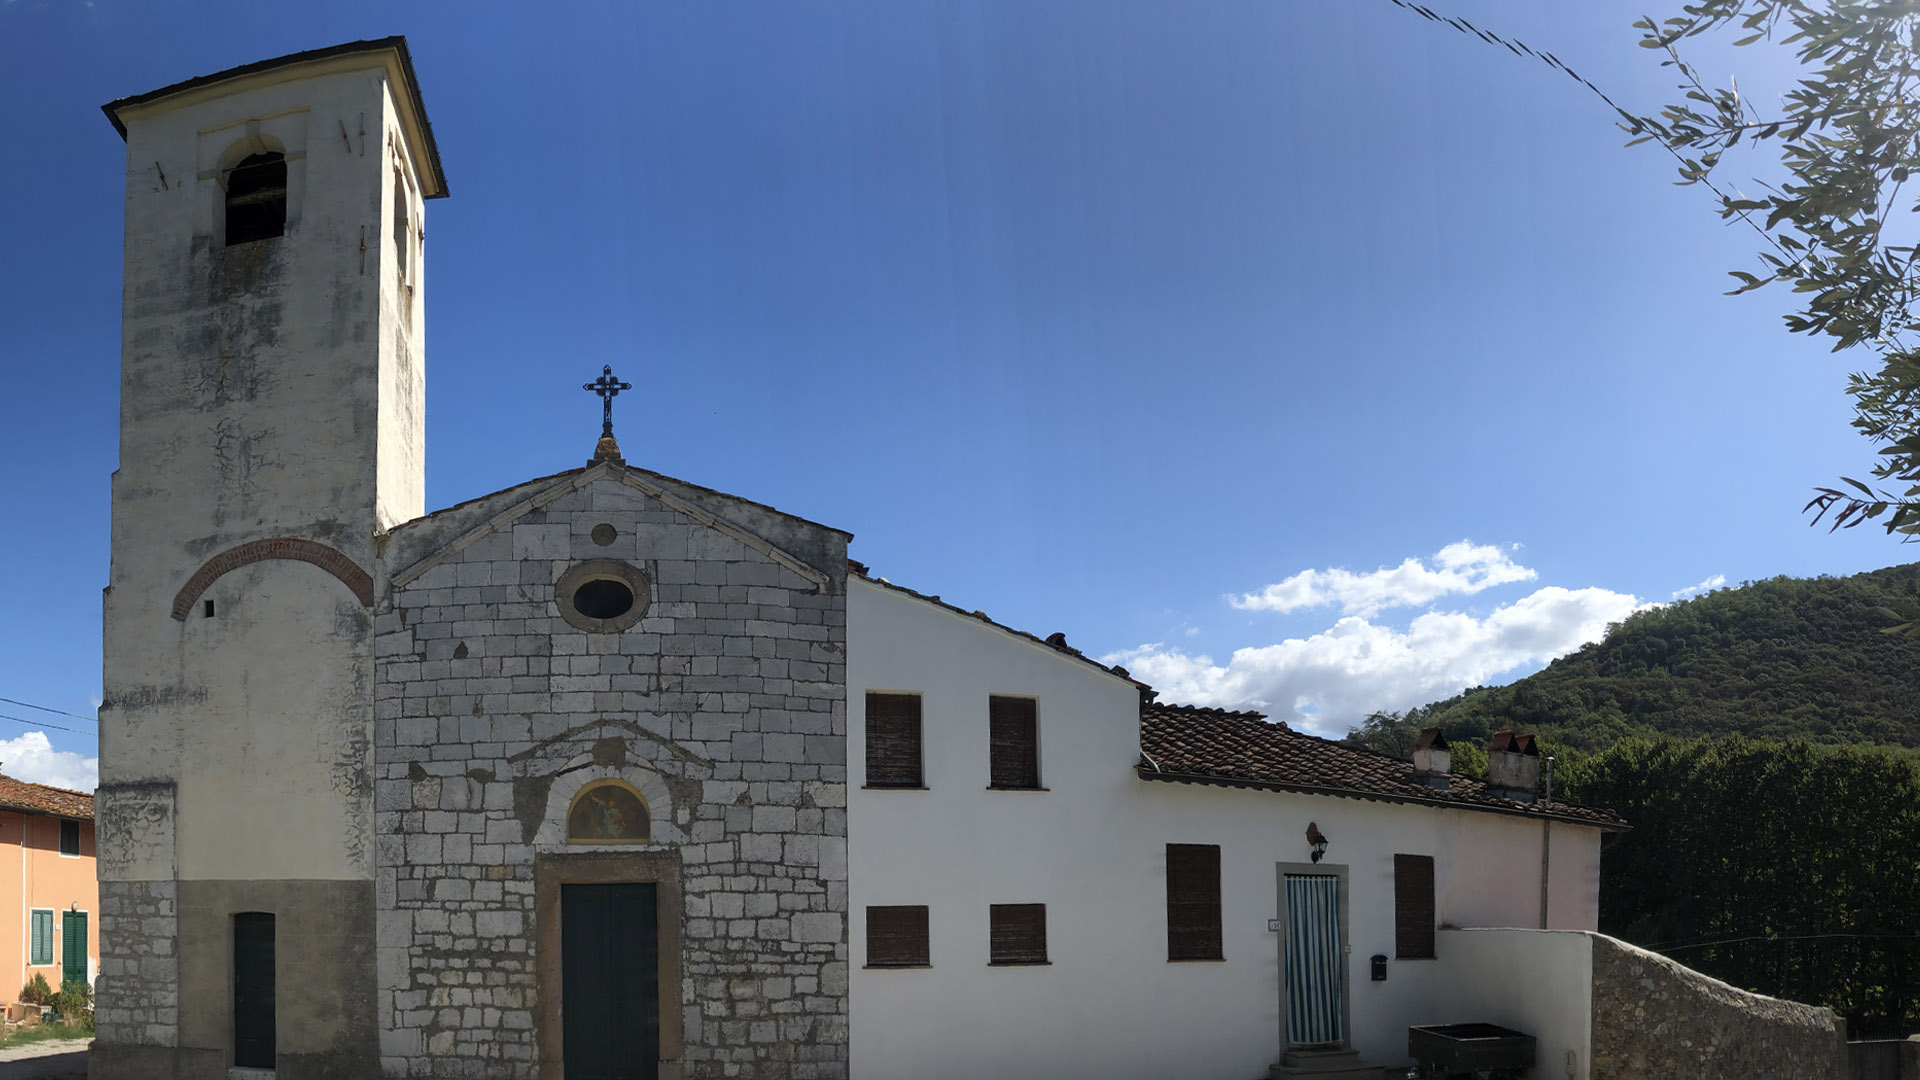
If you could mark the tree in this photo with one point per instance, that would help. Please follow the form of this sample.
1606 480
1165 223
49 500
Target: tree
1843 144
1394 733
1784 867
1388 732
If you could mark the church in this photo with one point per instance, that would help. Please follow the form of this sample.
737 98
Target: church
609 775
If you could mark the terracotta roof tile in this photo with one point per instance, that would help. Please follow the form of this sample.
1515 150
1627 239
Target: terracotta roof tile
1508 742
41 799
1189 744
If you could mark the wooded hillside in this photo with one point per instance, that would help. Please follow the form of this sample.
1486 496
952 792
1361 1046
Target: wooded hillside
1781 658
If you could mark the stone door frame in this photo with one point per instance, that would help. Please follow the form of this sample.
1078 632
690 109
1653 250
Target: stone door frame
589 867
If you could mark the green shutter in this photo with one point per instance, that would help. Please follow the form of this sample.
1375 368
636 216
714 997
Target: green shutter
42 938
74 965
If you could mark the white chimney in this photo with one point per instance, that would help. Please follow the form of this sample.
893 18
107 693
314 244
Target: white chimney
1513 767
1432 760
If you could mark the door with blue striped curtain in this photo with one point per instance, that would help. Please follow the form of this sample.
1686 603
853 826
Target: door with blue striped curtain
1315 962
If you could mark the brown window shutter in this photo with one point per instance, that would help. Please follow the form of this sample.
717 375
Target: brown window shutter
893 741
897 936
1413 907
1015 749
1018 934
1193 902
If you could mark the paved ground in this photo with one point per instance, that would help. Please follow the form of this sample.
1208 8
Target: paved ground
55 1059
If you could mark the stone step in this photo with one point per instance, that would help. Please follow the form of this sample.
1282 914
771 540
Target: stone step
1328 1057
1356 1071
1329 1064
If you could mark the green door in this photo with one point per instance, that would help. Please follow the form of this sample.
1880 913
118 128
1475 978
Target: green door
609 982
254 1030
73 948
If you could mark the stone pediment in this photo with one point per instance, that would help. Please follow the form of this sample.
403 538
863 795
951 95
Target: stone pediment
807 548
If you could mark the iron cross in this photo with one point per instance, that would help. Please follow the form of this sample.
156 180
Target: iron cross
606 386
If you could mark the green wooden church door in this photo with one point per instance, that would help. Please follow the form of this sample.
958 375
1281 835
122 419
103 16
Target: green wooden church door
609 982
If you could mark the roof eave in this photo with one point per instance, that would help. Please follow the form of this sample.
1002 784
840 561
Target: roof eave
1209 780
398 44
39 811
634 470
1072 655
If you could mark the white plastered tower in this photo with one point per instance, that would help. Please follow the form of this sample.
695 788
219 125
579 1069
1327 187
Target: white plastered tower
272 429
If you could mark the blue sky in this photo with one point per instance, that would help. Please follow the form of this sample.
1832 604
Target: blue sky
1180 328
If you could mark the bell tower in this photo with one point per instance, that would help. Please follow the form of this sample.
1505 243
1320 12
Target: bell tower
271 431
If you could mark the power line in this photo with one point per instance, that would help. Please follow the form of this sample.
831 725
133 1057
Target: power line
43 708
56 727
1777 937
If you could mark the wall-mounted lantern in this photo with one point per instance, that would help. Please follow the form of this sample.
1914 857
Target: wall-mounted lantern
1316 840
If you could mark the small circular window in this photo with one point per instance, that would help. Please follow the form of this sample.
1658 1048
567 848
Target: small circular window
603 595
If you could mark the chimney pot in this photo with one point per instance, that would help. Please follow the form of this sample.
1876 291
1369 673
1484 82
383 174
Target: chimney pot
1432 759
1513 766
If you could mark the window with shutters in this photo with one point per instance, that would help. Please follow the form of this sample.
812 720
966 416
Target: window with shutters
73 946
897 937
1015 742
1018 934
40 944
893 741
69 838
1413 907
1193 902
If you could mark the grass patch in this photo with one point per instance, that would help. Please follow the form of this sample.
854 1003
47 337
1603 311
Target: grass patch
44 1032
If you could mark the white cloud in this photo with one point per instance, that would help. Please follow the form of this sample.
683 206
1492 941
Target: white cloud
1330 681
1462 567
32 758
1708 585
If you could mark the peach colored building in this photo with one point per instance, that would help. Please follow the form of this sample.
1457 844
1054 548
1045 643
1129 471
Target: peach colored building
49 895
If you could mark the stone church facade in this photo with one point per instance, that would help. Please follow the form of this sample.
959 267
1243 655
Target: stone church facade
722 704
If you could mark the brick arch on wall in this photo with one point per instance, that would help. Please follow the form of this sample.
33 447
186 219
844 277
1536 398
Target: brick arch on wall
281 547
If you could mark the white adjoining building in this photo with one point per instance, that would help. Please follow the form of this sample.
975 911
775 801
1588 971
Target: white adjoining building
610 775
1117 799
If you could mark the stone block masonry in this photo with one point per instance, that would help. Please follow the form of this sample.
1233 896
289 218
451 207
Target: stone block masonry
137 986
1656 1020
726 701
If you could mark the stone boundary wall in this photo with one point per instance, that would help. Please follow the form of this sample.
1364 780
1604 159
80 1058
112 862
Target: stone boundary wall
1654 1019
